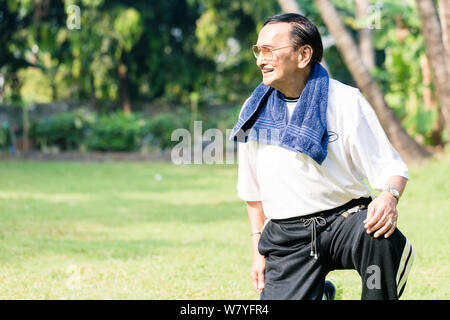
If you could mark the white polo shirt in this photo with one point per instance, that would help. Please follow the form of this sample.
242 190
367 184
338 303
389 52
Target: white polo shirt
292 184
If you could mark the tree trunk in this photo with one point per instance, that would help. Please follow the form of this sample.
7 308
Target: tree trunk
15 149
291 6
408 148
25 129
53 85
430 102
288 6
123 87
444 10
93 93
365 35
432 33
428 98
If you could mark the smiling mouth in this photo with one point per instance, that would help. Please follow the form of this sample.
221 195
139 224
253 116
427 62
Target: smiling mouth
268 70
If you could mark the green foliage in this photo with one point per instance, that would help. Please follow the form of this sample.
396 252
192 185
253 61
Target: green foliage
128 26
399 45
191 53
159 128
4 135
222 120
225 32
66 130
400 75
116 132
82 130
36 86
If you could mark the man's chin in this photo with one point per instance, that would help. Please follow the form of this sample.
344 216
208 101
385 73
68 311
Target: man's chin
267 81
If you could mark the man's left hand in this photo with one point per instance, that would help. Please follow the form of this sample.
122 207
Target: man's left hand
382 215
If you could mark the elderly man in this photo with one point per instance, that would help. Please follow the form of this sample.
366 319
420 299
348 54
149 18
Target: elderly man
307 144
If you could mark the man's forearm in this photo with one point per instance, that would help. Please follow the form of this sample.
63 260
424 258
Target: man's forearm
397 182
256 216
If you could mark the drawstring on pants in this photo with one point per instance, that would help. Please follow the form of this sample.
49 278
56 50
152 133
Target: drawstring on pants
313 222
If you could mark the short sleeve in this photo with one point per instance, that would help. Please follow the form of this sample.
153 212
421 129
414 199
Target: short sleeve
247 186
372 153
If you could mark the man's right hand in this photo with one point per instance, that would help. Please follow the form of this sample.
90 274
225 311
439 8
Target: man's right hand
257 272
257 218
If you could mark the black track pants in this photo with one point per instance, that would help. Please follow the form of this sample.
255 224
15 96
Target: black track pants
340 241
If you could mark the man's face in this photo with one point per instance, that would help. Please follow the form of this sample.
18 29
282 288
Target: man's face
280 70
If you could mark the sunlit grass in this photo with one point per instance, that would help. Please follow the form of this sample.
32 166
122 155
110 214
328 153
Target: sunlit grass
74 230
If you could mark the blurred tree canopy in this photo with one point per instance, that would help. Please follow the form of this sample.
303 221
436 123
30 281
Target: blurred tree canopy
128 51
188 53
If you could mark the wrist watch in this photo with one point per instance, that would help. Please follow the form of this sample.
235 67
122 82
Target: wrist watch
394 192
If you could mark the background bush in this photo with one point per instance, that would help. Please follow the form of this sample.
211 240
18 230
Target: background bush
116 132
66 130
159 128
4 135
86 130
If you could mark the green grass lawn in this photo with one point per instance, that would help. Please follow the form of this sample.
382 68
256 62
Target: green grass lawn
74 230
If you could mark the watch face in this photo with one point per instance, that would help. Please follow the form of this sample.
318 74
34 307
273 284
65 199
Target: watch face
394 192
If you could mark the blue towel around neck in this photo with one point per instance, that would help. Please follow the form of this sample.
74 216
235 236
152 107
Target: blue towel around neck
264 118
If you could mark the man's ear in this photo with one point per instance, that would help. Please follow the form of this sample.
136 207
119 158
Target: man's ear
304 56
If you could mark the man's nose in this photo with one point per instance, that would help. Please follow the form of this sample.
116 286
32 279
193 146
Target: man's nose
260 61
